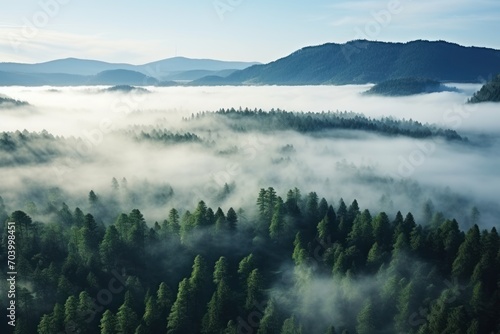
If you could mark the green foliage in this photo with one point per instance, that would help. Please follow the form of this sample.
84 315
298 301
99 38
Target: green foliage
388 276
407 86
363 61
490 92
366 319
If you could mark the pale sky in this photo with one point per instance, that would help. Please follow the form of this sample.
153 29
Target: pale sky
138 32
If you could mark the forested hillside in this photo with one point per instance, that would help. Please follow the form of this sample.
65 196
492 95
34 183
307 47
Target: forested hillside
490 92
362 61
408 86
6 101
298 265
309 122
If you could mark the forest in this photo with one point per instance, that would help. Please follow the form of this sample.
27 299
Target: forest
489 92
298 265
408 86
310 122
177 211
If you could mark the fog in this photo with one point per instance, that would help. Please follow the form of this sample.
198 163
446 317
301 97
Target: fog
97 144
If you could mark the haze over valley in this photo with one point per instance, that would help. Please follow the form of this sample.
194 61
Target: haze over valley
349 186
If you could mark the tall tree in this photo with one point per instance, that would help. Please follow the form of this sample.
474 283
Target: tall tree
232 219
271 320
181 319
126 318
366 319
108 323
468 254
254 290
290 326
277 226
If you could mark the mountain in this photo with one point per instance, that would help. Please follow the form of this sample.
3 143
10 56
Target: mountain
40 79
197 74
408 86
490 92
157 69
68 66
122 77
163 68
361 61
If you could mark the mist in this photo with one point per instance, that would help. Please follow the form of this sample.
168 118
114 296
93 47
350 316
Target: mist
96 126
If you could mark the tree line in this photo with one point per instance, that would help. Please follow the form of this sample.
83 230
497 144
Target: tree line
209 270
311 122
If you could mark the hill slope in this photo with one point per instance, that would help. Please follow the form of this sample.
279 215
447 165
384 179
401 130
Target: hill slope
360 62
490 92
122 77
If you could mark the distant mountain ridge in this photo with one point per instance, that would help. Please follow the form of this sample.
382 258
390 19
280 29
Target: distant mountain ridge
355 62
157 69
361 62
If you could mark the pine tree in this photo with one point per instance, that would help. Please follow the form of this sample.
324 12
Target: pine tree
254 289
405 306
219 309
220 270
173 222
126 318
71 316
181 319
151 312
86 311
232 219
164 300
245 267
375 258
271 321
468 255
290 326
366 319
277 226
382 231
108 323
109 249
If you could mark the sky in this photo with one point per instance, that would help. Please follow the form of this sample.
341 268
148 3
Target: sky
136 32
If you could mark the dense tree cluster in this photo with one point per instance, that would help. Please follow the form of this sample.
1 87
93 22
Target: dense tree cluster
164 136
223 271
9 102
23 147
308 122
490 92
408 86
363 61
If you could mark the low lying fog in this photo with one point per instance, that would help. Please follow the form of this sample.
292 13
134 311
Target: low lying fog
382 173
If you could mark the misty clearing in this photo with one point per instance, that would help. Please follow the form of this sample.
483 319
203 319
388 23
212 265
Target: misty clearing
263 209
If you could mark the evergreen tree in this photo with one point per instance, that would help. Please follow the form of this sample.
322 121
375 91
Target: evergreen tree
109 248
468 254
254 289
232 219
271 322
71 313
181 318
220 270
245 267
277 227
366 319
108 323
290 326
126 318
